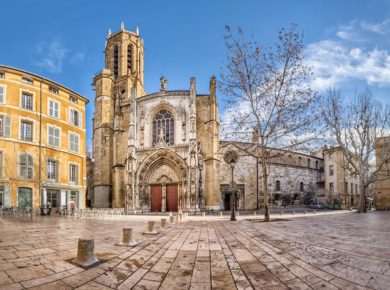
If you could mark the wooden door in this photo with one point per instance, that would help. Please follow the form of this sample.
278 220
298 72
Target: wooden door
172 197
226 201
156 196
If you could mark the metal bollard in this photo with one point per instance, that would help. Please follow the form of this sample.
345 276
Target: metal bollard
86 253
127 238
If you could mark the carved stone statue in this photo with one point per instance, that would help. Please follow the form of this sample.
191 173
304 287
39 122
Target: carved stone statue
163 84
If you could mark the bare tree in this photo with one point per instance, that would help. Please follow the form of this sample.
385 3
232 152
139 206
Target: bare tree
360 125
268 92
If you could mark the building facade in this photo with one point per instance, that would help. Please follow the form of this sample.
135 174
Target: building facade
42 142
341 185
161 151
382 185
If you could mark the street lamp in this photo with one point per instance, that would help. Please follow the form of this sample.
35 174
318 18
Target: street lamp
200 166
231 158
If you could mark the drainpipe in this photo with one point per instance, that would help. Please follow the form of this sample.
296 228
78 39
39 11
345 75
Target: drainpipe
40 147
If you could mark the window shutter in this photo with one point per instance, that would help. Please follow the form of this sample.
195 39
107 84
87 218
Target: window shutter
7 126
30 166
7 197
1 94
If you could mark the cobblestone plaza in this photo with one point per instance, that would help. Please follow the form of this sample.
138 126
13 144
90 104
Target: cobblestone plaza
336 250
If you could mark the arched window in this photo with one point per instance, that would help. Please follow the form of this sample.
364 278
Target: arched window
301 186
129 57
116 60
277 188
317 164
299 160
308 163
290 159
164 128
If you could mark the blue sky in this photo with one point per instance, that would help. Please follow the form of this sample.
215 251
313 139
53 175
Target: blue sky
347 42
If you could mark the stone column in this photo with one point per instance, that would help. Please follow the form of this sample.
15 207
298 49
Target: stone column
164 197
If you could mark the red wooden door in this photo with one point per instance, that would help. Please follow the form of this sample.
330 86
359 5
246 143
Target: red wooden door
156 193
172 197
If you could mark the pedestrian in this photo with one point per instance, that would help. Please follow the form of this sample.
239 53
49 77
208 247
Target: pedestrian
72 205
49 208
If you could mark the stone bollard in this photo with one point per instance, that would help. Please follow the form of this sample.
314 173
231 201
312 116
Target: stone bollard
177 218
314 211
127 238
221 214
237 213
203 214
304 212
151 230
163 223
170 213
254 213
281 213
171 219
86 253
293 212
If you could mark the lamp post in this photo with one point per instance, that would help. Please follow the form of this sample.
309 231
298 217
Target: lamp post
200 166
231 158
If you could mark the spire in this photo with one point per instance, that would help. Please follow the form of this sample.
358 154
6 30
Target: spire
109 32
137 31
123 25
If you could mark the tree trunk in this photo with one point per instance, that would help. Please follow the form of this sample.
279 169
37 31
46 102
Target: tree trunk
265 187
362 199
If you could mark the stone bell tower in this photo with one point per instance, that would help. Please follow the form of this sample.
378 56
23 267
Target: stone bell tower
121 79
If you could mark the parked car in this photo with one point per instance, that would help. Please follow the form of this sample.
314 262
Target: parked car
317 205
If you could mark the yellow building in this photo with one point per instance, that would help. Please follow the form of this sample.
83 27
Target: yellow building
382 185
42 142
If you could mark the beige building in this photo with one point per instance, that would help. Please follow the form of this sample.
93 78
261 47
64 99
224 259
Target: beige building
340 185
42 142
382 186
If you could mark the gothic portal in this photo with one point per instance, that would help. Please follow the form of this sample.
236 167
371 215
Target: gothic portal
152 152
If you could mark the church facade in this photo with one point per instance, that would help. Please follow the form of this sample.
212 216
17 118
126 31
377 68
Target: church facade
155 152
161 151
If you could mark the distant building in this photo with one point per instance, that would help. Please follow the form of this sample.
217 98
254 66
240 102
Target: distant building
340 185
42 142
382 186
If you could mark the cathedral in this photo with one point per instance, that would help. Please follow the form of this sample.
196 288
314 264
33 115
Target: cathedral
161 151
154 152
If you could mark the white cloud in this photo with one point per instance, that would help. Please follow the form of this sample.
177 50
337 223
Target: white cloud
51 55
341 59
381 28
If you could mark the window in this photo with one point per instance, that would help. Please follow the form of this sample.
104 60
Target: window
331 171
54 136
73 99
331 187
301 186
54 109
116 56
26 101
164 128
290 159
26 166
317 164
5 126
2 75
2 94
351 188
356 189
52 197
346 187
73 197
26 130
53 90
74 142
309 163
52 170
73 173
129 57
27 80
74 117
277 187
24 197
299 160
